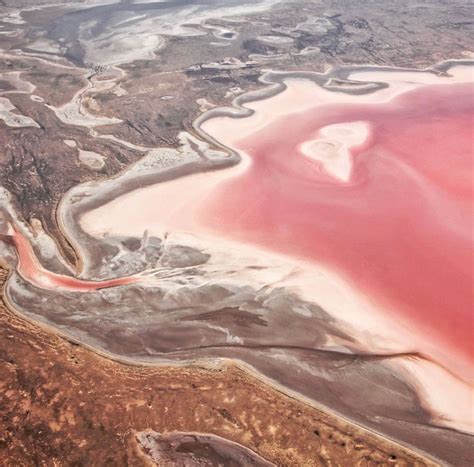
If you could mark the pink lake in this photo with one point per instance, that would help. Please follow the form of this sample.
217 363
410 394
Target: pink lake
389 210
400 228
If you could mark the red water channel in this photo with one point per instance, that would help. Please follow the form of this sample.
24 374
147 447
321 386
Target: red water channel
32 271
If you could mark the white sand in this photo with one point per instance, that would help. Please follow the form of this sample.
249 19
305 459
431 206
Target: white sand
331 148
74 113
21 86
46 45
457 74
127 41
13 18
278 40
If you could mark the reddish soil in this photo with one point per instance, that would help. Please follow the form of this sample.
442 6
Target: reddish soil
62 404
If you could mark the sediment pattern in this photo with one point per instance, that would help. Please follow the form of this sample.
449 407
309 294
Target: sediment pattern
285 232
182 300
62 403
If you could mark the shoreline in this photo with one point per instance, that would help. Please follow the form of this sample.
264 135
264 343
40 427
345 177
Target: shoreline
219 364
252 100
68 216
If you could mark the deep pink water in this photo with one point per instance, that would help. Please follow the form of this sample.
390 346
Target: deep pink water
401 229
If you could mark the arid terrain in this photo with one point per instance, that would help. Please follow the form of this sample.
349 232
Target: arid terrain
177 290
61 404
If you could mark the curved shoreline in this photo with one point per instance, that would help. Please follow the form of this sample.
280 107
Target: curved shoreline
275 84
68 216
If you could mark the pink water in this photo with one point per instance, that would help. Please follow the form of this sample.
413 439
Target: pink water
31 270
400 229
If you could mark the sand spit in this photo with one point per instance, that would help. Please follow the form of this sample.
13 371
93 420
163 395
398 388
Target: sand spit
43 245
14 233
32 271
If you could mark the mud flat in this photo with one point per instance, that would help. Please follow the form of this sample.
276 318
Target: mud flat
197 447
129 401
